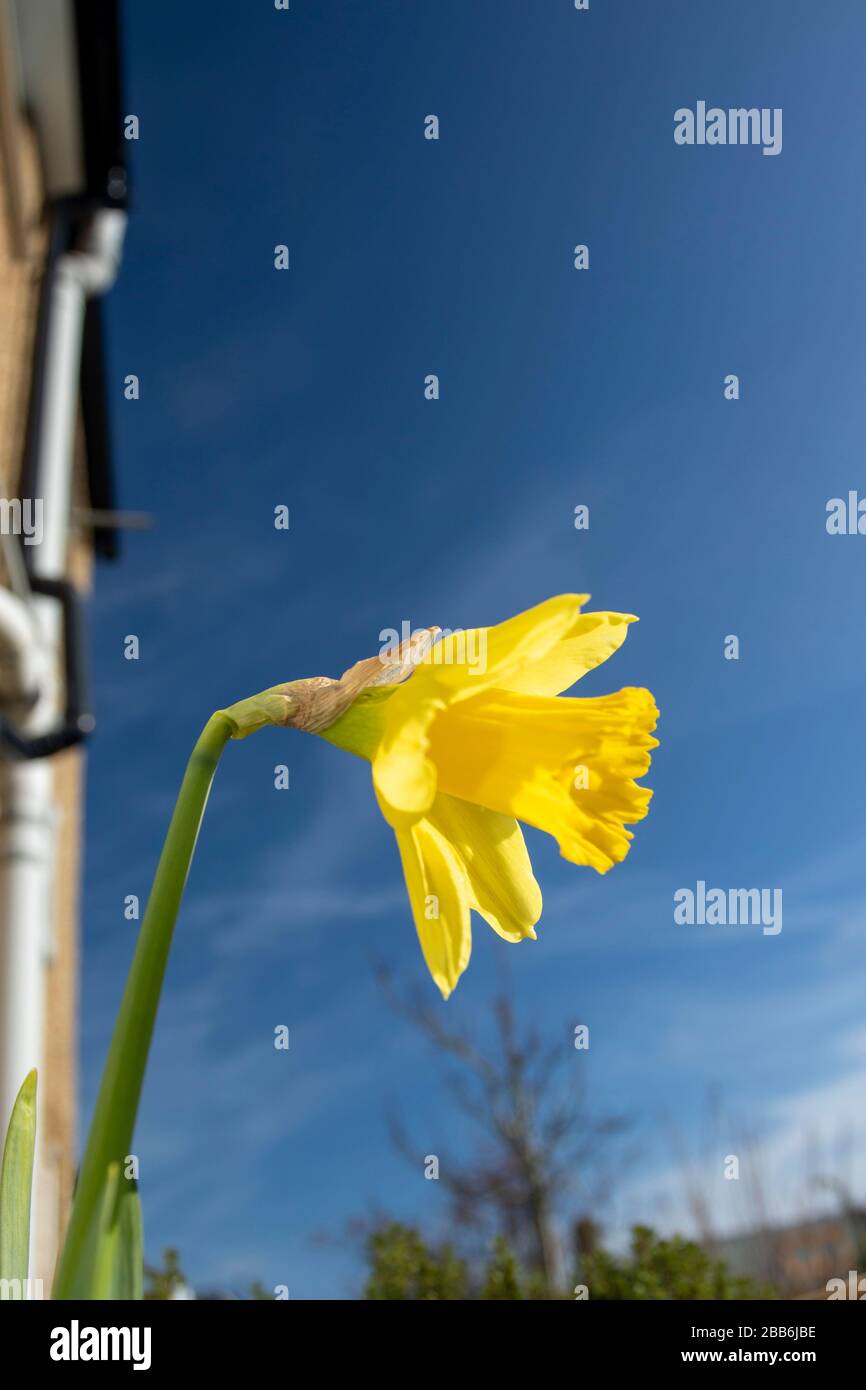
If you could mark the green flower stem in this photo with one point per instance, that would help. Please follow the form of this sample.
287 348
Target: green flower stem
113 1122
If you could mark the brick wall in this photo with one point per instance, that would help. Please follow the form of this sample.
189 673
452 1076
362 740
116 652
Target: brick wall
22 248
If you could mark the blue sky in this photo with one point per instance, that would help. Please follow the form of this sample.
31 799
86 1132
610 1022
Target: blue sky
558 387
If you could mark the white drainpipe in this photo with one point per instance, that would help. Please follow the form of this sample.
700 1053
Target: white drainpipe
33 632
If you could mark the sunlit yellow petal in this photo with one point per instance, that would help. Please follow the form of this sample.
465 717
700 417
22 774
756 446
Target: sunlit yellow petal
440 897
403 775
465 663
564 766
592 639
496 861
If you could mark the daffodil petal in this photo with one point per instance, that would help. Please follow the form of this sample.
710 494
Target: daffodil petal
593 638
403 774
462 664
496 862
456 669
565 766
440 897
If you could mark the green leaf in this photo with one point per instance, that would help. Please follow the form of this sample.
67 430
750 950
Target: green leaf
97 1277
112 1267
16 1182
128 1280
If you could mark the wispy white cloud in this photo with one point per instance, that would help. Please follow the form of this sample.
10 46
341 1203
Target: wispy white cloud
795 1156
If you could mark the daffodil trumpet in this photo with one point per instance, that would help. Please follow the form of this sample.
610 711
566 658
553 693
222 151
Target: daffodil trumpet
467 735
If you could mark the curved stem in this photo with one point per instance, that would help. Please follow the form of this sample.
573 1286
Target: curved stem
113 1121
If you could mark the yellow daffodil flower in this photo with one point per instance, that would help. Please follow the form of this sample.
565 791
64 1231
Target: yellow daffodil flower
466 737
